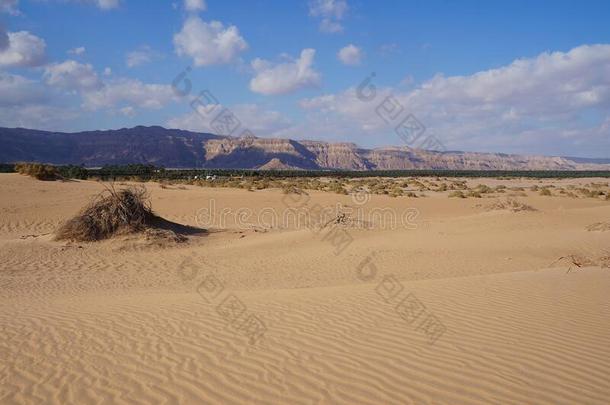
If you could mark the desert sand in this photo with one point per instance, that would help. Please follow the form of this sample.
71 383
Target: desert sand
130 321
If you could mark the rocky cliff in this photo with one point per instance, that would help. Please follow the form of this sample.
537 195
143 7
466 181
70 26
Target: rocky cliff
177 148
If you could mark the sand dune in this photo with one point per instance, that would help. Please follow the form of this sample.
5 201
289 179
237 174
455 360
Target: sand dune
121 321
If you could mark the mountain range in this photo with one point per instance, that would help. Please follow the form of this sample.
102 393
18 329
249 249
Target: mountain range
173 148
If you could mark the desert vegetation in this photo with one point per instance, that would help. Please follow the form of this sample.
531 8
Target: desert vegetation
116 212
38 171
397 183
509 204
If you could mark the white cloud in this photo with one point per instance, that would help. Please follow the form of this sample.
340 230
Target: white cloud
107 71
330 27
29 104
77 51
262 122
122 92
285 77
18 90
38 116
71 75
105 4
101 4
350 55
535 104
209 43
331 12
10 6
141 56
194 5
24 49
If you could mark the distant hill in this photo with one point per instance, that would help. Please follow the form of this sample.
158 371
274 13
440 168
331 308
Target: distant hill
589 160
180 149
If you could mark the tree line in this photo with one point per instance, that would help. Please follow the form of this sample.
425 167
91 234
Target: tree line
152 172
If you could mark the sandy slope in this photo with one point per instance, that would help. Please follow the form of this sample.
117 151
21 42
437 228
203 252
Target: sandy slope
123 322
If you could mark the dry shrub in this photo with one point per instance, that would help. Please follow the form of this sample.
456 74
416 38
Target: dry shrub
510 205
579 260
38 171
457 194
110 213
345 220
575 260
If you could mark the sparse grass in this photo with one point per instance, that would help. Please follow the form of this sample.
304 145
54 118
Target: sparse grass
392 187
510 205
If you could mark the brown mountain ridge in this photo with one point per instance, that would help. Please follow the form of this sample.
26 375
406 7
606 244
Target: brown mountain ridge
185 149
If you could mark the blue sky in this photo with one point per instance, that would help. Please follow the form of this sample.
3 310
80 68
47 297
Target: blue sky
515 77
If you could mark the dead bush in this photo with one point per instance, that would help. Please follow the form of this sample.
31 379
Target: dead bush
111 212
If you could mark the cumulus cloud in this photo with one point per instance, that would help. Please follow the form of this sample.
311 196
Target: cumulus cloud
209 43
38 116
29 104
71 75
286 77
331 12
530 104
17 90
141 56
23 49
12 6
350 55
77 51
260 121
194 5
129 92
